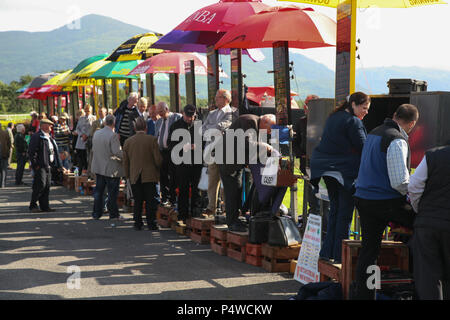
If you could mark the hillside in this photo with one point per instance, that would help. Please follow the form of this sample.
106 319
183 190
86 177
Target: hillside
40 52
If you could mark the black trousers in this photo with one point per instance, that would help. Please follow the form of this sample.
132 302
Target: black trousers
21 161
431 251
375 216
82 160
41 189
232 185
188 177
144 192
167 178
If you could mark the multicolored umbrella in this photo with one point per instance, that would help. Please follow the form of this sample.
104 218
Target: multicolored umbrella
259 94
198 41
35 84
301 27
221 16
84 63
373 3
138 47
116 70
169 62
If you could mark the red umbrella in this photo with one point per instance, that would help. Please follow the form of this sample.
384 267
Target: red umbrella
258 94
169 62
221 16
301 27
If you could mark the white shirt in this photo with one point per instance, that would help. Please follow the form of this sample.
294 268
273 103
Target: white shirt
417 184
397 157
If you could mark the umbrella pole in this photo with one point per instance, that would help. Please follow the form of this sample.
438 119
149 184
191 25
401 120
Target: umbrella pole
105 95
83 97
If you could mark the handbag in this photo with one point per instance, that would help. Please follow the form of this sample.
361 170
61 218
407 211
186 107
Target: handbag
258 228
203 183
283 232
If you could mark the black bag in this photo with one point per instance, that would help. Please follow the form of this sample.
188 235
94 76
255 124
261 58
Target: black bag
283 232
258 230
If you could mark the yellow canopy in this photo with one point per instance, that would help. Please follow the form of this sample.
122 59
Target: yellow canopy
373 3
90 69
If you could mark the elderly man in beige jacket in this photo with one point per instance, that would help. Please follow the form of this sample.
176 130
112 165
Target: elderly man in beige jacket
107 165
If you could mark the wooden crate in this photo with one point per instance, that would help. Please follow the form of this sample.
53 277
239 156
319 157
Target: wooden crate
253 254
88 187
180 228
79 180
278 259
66 179
71 182
201 230
392 255
236 242
329 271
293 266
120 198
163 216
218 239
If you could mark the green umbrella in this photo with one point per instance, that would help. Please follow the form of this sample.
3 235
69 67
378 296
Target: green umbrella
88 61
116 70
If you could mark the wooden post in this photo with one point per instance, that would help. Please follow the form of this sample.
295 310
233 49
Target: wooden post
236 77
282 84
105 95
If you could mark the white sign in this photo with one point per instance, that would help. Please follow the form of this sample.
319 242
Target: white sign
307 269
269 173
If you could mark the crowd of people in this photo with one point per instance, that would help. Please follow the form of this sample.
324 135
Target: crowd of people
369 171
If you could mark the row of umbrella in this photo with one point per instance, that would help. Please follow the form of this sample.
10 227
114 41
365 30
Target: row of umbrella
225 25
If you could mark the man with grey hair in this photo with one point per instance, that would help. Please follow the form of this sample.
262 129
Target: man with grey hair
125 115
5 146
219 119
21 152
162 126
107 165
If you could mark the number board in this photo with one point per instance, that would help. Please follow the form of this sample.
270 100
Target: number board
282 83
236 77
213 74
189 69
343 50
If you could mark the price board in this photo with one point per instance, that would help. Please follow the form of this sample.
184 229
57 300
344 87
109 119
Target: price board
189 69
213 74
345 50
236 77
282 83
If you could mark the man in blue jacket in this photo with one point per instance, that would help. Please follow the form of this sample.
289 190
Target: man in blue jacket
381 189
44 155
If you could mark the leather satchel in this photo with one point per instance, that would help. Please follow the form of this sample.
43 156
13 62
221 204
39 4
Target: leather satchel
283 232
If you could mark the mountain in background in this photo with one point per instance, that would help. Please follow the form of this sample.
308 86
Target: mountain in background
34 53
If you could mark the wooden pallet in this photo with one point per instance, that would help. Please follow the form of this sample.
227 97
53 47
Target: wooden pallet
393 254
120 198
253 254
88 187
218 239
163 216
79 180
293 266
201 230
278 259
71 182
236 242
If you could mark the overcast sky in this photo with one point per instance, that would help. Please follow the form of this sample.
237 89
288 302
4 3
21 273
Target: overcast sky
400 37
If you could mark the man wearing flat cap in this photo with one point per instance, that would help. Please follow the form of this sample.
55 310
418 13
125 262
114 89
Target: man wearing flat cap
43 154
188 172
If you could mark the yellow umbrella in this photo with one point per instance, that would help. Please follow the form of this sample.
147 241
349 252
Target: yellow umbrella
372 3
346 34
90 69
56 80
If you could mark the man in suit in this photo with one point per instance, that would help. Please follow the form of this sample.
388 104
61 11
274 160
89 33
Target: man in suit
162 127
142 162
5 147
153 117
219 119
96 125
11 136
188 172
107 165
43 154
231 170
